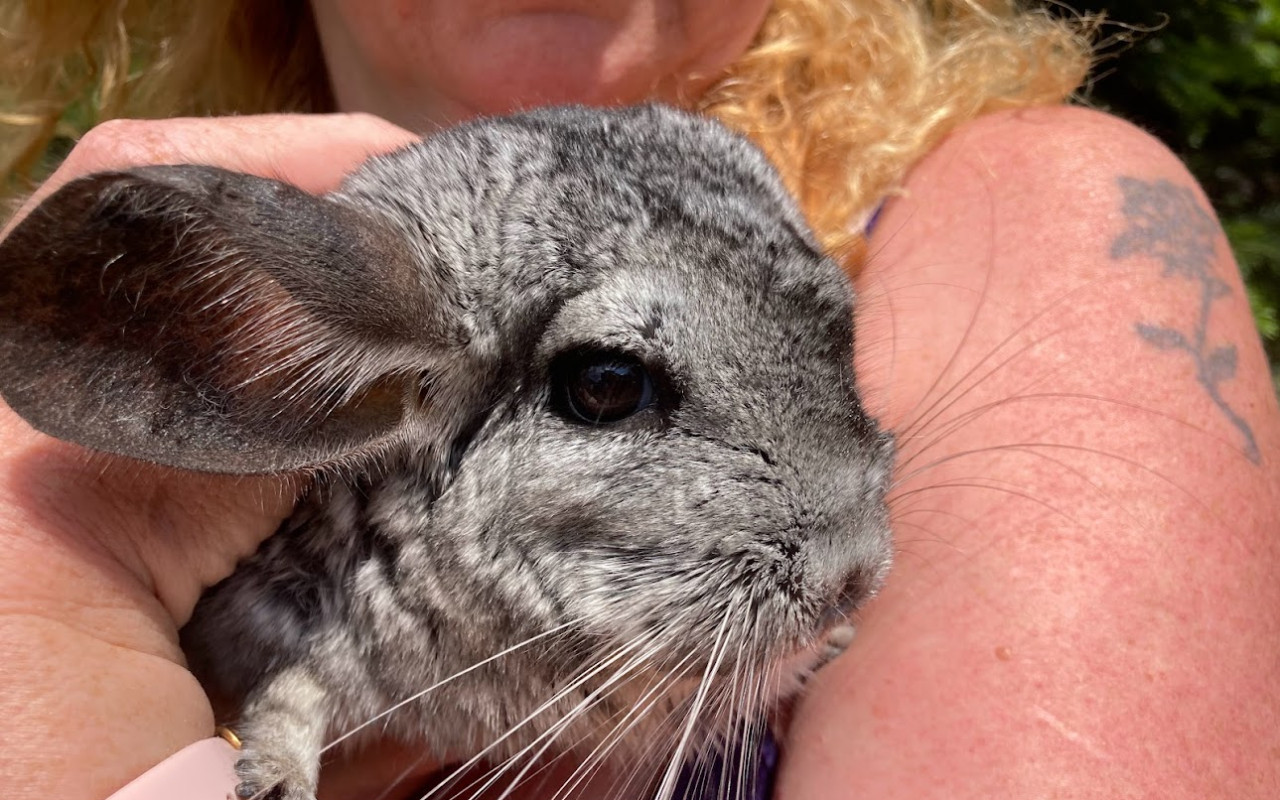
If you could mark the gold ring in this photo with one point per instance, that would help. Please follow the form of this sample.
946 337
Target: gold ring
229 735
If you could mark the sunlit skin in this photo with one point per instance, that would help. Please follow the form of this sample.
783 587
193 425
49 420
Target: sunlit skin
432 62
1084 603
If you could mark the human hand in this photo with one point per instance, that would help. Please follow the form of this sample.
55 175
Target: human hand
103 559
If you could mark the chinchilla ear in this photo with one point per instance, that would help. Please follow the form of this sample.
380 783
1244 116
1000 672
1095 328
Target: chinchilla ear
215 321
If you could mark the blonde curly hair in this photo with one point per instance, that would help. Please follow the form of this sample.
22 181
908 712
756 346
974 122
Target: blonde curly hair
844 95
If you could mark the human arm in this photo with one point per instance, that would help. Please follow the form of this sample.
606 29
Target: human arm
1084 601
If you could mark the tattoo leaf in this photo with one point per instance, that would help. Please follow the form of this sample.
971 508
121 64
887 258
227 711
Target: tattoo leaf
1164 338
1167 222
1221 364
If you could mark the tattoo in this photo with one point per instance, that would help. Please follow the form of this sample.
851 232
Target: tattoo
1166 222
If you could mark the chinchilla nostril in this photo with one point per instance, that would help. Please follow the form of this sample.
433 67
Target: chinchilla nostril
855 590
832 617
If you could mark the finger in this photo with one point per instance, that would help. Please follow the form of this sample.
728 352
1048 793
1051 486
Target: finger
311 151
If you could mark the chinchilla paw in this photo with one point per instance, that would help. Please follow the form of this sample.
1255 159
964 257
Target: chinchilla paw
265 778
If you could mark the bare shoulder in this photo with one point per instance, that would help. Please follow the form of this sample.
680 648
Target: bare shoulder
1025 151
1054 280
1056 168
1053 142
1052 323
1070 217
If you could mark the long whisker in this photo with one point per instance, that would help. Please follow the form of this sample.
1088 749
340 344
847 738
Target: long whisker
636 714
912 449
404 773
932 408
641 708
419 695
1033 448
737 697
753 732
650 754
713 665
604 749
568 689
973 414
955 354
553 732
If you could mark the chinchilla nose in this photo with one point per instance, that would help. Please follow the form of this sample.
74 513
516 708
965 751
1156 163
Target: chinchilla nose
849 535
859 585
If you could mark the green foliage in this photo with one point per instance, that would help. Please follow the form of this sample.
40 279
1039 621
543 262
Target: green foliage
1204 76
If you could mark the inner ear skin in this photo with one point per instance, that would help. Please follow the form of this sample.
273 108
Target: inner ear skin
214 321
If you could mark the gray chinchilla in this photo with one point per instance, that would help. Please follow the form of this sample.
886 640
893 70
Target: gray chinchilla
577 387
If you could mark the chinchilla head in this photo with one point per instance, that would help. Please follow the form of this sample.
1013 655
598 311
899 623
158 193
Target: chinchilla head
672 437
605 340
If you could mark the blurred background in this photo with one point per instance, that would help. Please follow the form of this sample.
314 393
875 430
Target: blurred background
1204 76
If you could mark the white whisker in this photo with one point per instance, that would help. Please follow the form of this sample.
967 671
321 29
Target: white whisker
553 732
440 683
713 664
572 686
636 714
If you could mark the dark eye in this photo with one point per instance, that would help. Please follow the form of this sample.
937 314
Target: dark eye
598 388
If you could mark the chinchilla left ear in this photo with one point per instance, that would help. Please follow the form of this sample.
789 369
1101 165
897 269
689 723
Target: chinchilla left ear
215 321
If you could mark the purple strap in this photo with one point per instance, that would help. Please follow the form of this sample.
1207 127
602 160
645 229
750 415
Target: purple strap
721 777
872 220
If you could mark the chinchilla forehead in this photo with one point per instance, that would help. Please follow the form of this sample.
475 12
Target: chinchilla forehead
567 185
694 313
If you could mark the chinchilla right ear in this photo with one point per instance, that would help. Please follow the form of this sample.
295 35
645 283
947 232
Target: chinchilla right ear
215 321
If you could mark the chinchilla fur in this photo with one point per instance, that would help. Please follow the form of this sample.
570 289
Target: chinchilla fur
504 569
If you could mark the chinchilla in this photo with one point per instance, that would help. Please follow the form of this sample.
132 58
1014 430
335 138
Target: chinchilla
577 385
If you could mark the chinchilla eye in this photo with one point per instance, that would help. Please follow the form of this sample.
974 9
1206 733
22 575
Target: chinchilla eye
598 388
